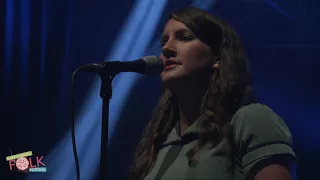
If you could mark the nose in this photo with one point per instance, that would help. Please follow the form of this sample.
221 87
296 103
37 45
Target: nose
169 50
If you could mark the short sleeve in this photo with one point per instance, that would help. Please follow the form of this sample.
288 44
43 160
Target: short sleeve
259 134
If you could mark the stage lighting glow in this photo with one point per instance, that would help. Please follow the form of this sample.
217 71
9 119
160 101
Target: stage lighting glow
137 33
131 44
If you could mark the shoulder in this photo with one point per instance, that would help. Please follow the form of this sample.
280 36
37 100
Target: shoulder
258 117
259 134
254 111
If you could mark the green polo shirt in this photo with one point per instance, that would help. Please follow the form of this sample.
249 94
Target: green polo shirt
259 133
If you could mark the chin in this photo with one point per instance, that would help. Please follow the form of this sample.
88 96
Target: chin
166 82
170 82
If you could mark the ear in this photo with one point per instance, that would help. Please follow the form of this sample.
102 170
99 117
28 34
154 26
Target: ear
216 64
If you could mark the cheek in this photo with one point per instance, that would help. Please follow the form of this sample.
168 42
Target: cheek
197 58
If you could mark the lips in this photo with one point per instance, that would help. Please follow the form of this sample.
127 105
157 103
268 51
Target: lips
169 64
170 67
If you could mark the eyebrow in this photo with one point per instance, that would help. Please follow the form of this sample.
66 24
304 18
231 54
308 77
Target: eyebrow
179 30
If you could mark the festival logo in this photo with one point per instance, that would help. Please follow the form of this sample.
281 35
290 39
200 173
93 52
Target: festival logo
26 162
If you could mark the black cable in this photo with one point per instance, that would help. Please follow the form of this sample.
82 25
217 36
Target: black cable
73 125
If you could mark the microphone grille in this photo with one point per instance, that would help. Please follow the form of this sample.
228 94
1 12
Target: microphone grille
154 65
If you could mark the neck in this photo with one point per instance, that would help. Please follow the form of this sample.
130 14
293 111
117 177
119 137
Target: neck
189 103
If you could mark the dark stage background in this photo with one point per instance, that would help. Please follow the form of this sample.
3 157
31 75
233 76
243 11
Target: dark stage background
43 41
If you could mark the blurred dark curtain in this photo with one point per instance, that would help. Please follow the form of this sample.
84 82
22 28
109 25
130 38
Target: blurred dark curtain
43 41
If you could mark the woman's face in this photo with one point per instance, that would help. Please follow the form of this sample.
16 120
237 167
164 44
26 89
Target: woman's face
187 60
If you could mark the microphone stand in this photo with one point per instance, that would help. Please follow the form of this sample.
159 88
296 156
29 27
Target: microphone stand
106 76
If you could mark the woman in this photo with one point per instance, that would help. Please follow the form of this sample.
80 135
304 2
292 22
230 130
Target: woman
208 124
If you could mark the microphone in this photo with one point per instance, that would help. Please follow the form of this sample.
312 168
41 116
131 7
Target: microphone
148 65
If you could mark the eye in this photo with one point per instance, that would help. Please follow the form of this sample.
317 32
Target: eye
186 37
183 36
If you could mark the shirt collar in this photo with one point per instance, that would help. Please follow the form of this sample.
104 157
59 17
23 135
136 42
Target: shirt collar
174 135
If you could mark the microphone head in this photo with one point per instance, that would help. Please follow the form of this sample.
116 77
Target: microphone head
154 65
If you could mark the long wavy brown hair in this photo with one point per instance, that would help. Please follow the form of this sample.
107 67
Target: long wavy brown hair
229 88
